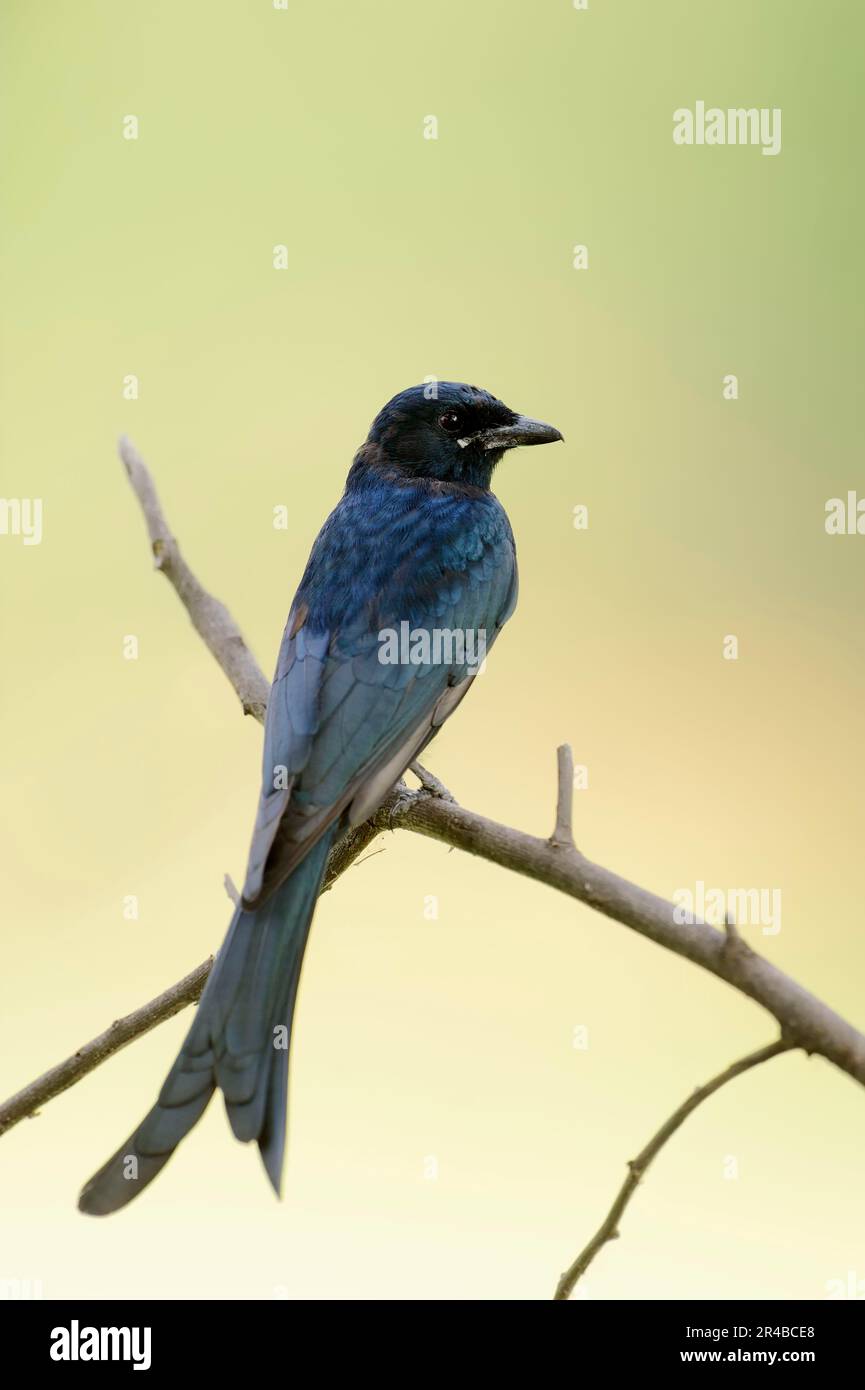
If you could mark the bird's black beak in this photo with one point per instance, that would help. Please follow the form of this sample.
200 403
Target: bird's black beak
523 430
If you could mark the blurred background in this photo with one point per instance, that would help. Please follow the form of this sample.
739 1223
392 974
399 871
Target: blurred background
448 1140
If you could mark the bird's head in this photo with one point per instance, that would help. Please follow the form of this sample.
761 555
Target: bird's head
448 432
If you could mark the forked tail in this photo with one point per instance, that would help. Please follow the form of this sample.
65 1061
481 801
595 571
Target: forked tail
239 1043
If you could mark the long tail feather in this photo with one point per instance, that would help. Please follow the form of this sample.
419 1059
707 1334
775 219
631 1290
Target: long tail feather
239 1042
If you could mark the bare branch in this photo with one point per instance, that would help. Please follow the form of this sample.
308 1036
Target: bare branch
210 618
609 1227
804 1020
93 1054
563 834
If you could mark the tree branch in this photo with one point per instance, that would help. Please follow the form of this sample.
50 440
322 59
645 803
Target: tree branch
805 1021
609 1227
210 618
124 1030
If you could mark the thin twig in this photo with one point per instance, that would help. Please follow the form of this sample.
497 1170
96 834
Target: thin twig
733 937
372 854
210 618
94 1053
609 1227
563 834
430 782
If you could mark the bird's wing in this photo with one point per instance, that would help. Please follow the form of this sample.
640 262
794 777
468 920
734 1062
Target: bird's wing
342 725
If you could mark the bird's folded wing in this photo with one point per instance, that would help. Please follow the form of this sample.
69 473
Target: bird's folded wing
343 722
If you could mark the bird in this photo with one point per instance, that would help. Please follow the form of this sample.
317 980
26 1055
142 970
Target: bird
417 538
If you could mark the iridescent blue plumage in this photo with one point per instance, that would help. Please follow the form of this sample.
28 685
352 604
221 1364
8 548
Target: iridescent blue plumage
417 546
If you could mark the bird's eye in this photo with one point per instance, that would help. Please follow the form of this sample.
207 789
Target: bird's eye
450 421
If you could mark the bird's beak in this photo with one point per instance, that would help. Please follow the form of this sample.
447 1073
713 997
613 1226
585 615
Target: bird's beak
524 430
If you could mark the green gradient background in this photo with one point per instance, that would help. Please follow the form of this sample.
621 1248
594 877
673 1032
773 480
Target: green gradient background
409 257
